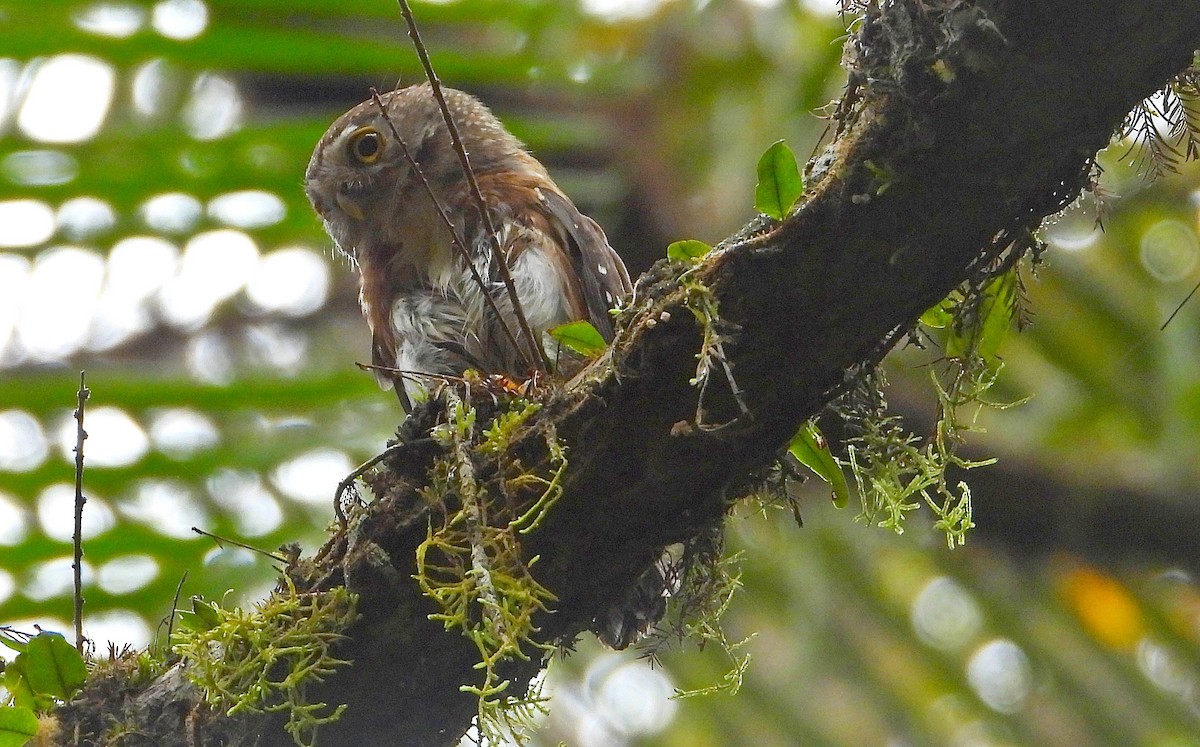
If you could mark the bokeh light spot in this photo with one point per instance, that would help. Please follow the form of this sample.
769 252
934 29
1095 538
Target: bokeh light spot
1000 673
273 346
637 698
155 88
14 274
83 218
114 438
214 108
55 578
114 20
56 513
310 477
1107 610
243 497
168 507
221 560
620 10
250 208
25 223
171 212
39 168
127 573
215 266
120 627
293 281
59 301
7 586
180 19
180 433
23 445
944 615
138 267
209 358
68 99
14 521
1169 250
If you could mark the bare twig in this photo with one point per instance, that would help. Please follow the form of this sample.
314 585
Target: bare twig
361 470
222 540
454 238
1179 308
538 355
175 607
77 566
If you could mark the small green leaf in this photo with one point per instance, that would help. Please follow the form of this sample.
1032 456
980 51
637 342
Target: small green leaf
810 448
11 641
19 693
202 616
17 726
53 667
997 307
941 315
581 337
779 182
689 250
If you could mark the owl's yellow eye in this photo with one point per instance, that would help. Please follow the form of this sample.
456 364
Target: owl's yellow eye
366 145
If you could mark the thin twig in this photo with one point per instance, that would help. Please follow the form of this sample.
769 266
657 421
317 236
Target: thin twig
1179 308
441 211
357 473
221 540
81 397
174 608
538 355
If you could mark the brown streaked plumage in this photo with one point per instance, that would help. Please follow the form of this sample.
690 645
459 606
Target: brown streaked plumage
426 312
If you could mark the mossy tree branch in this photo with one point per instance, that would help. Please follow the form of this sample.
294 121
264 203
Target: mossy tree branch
965 124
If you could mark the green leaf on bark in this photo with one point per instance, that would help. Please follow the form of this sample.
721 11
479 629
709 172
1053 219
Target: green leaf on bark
689 250
53 667
811 450
581 337
779 182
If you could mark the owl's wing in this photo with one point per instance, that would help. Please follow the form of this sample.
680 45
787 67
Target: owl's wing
597 279
380 357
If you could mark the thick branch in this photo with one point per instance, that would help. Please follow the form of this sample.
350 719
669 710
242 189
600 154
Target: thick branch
966 121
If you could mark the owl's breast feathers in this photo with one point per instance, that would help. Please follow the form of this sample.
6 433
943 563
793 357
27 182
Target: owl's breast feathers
428 314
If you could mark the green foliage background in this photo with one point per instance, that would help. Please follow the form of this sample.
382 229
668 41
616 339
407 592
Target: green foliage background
1077 591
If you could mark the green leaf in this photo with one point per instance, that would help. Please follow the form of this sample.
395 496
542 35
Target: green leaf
581 337
689 250
810 448
997 307
19 692
779 182
17 726
53 667
941 315
13 642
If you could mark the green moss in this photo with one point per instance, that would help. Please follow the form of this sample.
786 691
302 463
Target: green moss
262 660
471 562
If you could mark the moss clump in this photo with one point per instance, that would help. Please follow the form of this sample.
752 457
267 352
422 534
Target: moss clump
471 563
262 660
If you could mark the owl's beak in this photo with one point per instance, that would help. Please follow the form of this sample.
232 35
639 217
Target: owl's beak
348 205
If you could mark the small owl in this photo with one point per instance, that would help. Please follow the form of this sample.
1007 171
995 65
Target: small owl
427 311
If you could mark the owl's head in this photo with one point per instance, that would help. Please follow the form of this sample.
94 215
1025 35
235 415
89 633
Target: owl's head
359 180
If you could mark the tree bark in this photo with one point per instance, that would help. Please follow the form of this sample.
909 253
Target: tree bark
964 125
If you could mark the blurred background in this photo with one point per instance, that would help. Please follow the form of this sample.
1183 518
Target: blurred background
154 232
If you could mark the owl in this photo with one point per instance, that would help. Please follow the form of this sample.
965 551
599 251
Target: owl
430 311
433 311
